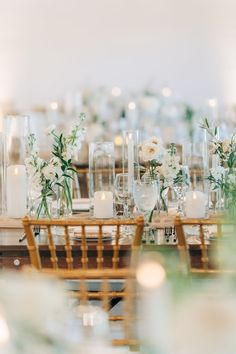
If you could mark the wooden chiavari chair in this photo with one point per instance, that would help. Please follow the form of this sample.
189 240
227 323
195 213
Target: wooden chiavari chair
85 273
67 225
122 320
208 265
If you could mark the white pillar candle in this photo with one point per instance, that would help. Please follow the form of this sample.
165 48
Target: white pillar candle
16 191
130 162
195 204
103 204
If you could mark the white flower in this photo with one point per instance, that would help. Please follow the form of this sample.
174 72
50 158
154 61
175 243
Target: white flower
81 134
217 173
169 169
225 145
231 179
212 148
35 182
69 152
154 140
49 130
49 171
149 151
28 162
54 161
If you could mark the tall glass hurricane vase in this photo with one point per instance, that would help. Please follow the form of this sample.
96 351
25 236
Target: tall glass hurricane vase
101 179
195 156
15 130
130 158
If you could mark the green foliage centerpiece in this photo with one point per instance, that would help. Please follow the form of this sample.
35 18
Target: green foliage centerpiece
53 177
223 175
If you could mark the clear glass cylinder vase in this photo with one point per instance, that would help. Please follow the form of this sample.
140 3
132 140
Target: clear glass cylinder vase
15 132
130 156
101 179
195 157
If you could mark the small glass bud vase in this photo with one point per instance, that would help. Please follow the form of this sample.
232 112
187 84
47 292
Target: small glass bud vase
101 179
64 199
15 131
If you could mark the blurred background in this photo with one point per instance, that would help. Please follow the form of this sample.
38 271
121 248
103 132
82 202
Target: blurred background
154 65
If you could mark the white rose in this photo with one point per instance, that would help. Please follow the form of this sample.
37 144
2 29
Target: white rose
154 140
149 151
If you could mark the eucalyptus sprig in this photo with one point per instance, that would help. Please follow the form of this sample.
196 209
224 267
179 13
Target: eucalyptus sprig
212 131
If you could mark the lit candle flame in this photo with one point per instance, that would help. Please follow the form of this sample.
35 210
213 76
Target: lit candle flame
16 172
130 136
103 197
118 140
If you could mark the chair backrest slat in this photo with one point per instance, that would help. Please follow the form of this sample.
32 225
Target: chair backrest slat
116 248
104 294
52 248
33 248
100 247
204 255
84 249
68 249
